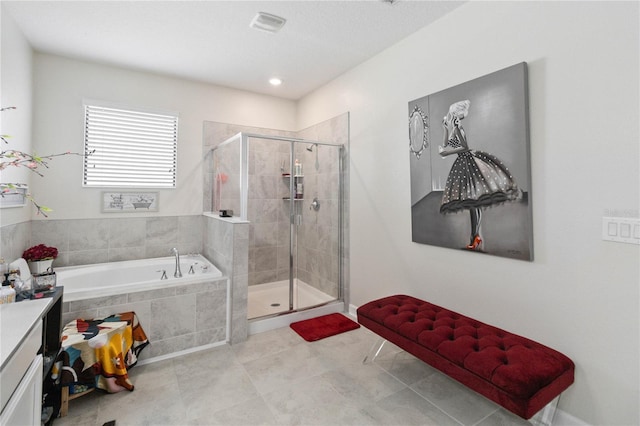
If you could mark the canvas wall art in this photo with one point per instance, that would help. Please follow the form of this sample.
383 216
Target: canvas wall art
470 166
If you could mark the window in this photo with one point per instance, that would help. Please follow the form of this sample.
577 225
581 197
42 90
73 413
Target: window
129 148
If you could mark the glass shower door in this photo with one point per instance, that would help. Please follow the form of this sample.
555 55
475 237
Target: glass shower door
317 225
294 225
290 192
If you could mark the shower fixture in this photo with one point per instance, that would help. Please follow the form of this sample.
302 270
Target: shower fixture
310 149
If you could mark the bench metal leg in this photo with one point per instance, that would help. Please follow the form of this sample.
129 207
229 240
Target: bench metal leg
545 416
374 351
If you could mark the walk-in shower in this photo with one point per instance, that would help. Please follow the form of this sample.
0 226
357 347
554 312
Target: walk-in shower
291 192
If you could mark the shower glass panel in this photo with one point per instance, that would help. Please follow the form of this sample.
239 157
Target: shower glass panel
318 220
272 255
227 172
292 200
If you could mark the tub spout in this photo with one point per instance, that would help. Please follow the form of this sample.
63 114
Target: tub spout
178 272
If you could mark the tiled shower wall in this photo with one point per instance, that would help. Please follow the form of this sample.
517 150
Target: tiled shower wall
318 248
268 212
265 200
87 241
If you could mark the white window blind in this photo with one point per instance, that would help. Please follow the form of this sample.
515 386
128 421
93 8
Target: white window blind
129 148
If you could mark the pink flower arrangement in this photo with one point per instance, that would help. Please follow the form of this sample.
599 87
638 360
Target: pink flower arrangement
39 252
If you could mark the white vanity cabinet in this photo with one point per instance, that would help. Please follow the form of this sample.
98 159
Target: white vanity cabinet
22 342
25 405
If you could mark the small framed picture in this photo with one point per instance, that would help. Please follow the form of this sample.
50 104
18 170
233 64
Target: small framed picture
129 201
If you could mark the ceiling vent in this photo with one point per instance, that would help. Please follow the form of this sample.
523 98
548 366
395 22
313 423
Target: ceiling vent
267 22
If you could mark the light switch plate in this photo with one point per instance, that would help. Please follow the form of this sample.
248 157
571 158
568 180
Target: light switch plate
621 229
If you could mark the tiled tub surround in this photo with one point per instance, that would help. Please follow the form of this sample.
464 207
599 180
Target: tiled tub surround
175 318
225 245
223 242
88 241
14 239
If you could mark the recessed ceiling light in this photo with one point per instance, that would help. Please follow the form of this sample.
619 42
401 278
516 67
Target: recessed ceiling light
275 81
267 22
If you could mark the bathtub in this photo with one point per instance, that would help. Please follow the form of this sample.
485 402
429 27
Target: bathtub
113 278
177 314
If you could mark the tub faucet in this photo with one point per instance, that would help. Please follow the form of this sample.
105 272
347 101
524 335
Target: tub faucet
178 272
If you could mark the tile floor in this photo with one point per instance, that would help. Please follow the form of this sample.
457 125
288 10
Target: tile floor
277 378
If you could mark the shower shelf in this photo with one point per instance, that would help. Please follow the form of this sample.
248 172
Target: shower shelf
295 178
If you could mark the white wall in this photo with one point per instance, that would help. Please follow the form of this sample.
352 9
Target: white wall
15 90
61 85
580 294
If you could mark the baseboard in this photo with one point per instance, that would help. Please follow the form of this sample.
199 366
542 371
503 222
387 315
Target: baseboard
179 353
352 311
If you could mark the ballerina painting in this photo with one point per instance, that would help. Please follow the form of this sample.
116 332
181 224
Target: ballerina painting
477 179
471 190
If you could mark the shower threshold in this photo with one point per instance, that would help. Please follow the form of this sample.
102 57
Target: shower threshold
273 298
262 324
308 303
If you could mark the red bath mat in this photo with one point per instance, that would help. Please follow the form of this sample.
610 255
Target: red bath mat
327 325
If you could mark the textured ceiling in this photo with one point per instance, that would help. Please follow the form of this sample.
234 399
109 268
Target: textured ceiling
211 41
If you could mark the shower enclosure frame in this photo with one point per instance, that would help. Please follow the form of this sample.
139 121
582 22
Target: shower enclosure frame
244 198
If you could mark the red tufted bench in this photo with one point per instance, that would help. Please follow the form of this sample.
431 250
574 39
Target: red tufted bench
521 375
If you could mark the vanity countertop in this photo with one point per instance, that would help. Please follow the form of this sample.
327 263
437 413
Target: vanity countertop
16 321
